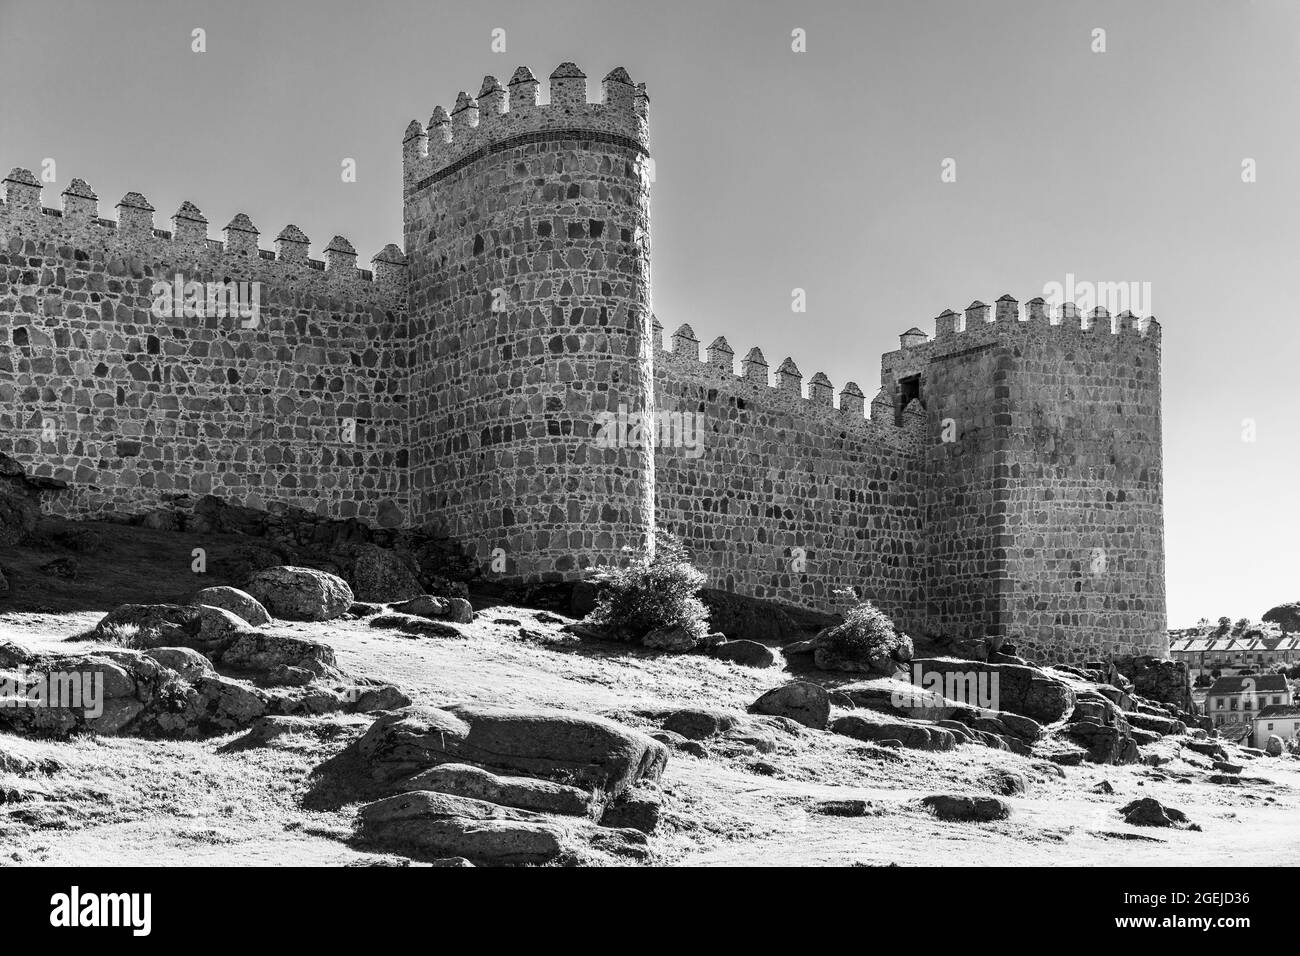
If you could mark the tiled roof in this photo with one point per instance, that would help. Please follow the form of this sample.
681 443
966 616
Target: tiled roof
1260 684
1279 710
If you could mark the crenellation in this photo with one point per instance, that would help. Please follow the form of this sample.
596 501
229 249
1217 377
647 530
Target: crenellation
820 390
523 92
852 401
491 105
80 202
618 91
568 87
291 244
1007 309
22 192
945 324
135 214
721 354
789 378
754 367
464 115
977 316
340 259
685 343
189 227
241 236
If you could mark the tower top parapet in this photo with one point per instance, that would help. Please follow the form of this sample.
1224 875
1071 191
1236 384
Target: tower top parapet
501 114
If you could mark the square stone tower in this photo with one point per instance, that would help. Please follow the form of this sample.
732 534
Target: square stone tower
1042 499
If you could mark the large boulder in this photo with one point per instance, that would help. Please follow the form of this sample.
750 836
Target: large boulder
1022 690
575 749
237 602
1274 747
1150 812
440 824
801 701
967 809
748 653
301 594
380 575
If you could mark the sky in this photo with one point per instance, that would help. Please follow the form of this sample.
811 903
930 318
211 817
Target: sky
776 169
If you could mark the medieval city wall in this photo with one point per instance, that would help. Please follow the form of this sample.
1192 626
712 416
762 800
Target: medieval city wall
783 496
129 405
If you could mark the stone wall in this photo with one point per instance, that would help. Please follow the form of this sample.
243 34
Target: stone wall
786 497
100 388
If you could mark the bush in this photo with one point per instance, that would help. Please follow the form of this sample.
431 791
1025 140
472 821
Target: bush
650 593
867 632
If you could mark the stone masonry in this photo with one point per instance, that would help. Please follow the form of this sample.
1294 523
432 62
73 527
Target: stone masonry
504 378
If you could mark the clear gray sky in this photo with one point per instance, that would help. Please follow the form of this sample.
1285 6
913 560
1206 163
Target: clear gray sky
776 170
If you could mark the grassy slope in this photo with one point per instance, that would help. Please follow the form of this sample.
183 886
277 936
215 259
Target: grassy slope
209 803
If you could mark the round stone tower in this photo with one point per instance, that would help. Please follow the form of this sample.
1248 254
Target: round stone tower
527 237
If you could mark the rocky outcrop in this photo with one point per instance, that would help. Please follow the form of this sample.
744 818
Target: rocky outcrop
380 575
1150 812
1161 680
441 824
574 749
746 618
119 691
301 594
20 500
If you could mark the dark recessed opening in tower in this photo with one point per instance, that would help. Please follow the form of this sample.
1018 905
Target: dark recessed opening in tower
908 389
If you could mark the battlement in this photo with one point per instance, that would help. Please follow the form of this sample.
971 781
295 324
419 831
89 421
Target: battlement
502 116
875 424
78 223
981 326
